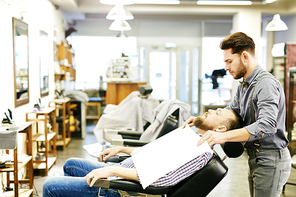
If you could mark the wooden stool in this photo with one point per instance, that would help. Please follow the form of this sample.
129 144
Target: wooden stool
93 101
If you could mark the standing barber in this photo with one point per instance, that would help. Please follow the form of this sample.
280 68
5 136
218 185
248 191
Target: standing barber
260 100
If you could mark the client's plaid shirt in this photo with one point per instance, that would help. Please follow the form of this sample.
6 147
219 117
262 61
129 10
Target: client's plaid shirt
175 176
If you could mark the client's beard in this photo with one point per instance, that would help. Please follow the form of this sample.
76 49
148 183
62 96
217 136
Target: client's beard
199 123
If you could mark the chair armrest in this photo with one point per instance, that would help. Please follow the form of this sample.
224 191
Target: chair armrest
129 185
126 134
128 142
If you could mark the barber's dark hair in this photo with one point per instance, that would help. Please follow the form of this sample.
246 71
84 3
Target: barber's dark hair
237 122
238 42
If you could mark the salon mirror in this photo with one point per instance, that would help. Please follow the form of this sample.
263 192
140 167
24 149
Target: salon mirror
21 62
44 63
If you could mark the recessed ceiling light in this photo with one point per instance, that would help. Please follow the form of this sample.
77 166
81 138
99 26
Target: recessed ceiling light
270 1
157 1
200 2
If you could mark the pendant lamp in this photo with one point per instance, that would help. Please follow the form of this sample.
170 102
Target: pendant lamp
119 12
276 24
120 25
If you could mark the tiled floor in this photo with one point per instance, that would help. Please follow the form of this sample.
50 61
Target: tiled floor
233 185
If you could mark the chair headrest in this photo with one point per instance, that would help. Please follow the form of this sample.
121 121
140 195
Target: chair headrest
144 90
233 149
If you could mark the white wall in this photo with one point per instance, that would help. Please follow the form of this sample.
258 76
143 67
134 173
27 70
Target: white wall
39 15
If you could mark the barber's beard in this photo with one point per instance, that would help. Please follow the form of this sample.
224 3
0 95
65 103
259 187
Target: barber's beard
242 70
199 122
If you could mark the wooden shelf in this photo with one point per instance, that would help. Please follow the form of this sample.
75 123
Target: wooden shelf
62 106
44 116
60 142
93 117
22 193
21 164
40 164
39 137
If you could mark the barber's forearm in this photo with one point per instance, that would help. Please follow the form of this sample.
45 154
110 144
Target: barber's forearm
126 173
237 135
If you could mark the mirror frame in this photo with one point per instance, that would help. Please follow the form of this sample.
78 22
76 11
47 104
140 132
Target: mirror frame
42 61
19 23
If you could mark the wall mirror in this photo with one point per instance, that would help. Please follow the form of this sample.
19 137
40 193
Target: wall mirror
44 63
21 62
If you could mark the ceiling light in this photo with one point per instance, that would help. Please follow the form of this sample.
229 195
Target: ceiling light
120 25
117 2
203 2
270 1
119 12
157 1
276 24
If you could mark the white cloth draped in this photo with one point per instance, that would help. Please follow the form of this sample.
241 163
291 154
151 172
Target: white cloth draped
132 112
161 112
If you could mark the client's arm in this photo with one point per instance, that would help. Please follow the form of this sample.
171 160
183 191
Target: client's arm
114 151
126 173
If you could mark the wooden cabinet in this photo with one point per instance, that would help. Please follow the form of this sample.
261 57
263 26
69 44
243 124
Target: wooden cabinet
48 139
117 91
19 163
66 57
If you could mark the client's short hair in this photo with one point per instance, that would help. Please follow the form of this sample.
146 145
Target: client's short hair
236 122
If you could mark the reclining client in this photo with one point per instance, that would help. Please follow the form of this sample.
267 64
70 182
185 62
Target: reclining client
81 174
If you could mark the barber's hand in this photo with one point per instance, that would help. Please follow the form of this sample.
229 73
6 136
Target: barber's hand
110 152
212 137
189 122
99 173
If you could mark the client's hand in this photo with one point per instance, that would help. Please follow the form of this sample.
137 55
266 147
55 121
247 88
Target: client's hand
110 152
99 173
189 122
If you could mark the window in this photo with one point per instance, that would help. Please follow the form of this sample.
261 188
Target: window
93 54
212 59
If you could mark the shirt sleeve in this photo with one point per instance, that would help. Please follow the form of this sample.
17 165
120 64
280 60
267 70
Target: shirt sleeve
266 100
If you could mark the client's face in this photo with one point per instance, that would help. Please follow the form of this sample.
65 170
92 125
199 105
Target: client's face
213 118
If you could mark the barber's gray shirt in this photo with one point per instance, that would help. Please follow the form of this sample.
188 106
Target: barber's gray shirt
270 110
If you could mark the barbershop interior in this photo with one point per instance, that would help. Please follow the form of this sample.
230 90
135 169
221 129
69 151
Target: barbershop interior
81 76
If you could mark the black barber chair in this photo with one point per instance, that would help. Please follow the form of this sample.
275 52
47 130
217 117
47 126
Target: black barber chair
200 184
131 138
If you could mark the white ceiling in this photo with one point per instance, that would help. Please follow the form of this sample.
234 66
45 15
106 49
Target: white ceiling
79 10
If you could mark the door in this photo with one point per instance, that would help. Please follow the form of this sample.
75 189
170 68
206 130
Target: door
172 73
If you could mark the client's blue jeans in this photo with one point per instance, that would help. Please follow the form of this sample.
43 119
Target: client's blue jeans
74 182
